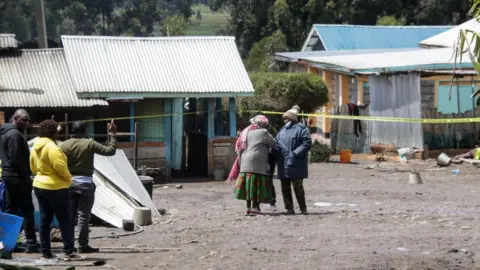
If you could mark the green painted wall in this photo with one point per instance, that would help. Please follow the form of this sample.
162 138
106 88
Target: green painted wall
150 129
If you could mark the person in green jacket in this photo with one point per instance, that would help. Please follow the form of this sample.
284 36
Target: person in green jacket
80 153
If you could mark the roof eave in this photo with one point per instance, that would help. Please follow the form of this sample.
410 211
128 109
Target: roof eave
134 95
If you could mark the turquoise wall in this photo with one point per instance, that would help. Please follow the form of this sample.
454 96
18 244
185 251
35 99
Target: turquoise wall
451 106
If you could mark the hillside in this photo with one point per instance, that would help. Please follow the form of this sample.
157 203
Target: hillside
209 24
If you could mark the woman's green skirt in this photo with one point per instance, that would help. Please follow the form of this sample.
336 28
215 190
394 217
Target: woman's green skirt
253 187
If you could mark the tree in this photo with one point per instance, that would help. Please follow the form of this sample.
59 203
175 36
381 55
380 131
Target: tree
390 20
280 91
259 57
469 41
175 25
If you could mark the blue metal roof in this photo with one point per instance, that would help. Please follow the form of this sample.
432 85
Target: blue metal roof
357 37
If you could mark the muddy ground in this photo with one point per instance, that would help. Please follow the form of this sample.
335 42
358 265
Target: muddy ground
366 219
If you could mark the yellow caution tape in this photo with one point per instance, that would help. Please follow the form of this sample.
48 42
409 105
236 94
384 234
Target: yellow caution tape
321 115
380 118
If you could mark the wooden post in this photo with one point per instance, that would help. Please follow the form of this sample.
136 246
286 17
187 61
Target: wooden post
135 147
211 118
66 126
132 120
167 129
232 117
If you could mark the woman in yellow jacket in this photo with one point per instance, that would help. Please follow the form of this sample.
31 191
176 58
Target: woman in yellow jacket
51 186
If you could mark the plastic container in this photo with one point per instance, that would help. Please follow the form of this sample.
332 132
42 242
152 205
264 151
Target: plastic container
219 174
10 227
147 182
345 156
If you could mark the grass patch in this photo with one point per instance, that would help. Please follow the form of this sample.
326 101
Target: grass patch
210 23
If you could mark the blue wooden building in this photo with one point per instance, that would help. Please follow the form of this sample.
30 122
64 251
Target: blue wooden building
163 84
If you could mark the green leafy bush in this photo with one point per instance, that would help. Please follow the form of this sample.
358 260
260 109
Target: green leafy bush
275 91
320 152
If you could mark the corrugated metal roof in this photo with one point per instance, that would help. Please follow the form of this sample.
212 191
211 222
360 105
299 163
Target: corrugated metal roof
156 65
357 37
295 56
38 78
110 204
118 169
386 62
8 41
448 38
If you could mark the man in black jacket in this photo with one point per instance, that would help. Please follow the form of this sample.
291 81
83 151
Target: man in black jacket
16 175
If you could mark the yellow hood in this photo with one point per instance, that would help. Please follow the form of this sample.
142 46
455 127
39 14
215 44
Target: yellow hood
49 164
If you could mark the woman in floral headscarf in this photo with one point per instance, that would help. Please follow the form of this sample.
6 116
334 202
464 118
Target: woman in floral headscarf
251 169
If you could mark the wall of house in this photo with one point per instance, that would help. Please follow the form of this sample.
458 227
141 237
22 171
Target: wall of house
460 100
396 96
152 155
150 129
427 91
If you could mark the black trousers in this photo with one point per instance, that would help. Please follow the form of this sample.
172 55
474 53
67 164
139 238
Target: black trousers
272 188
55 203
18 195
82 198
299 193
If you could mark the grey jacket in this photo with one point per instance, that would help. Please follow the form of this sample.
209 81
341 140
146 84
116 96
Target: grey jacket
254 159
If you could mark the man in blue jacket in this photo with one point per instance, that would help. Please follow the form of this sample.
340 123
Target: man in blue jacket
293 144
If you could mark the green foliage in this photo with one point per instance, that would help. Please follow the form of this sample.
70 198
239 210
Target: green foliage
90 17
175 25
389 20
251 21
469 42
259 57
280 91
320 152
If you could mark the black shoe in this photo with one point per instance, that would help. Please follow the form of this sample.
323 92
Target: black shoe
290 212
32 248
48 255
20 248
304 212
88 249
72 256
6 256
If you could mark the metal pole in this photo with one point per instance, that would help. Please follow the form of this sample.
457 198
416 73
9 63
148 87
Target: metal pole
135 147
41 25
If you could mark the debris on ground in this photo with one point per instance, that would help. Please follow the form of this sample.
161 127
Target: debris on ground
56 235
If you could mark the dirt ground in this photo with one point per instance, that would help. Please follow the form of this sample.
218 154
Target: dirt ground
364 219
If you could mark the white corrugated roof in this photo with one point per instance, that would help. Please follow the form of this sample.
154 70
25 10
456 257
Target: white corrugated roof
449 37
38 78
118 169
8 41
169 65
432 59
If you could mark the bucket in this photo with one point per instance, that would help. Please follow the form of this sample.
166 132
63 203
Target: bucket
10 227
147 183
444 160
345 156
219 174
